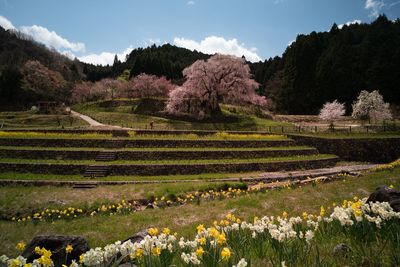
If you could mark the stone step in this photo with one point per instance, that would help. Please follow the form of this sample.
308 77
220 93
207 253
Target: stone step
97 171
106 156
84 185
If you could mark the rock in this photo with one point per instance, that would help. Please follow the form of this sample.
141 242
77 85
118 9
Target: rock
341 249
139 236
57 244
386 194
150 206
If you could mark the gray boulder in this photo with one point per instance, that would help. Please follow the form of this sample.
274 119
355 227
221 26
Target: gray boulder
386 194
56 244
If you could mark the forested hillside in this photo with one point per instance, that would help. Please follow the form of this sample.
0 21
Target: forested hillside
338 64
316 68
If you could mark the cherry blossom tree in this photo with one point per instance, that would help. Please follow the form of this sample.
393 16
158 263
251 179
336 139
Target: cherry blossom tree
149 86
44 82
220 79
332 111
84 92
109 87
370 105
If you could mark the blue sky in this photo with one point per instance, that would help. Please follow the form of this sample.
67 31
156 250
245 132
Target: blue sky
95 30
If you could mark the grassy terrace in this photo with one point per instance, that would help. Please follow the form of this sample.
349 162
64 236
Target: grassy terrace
355 135
166 162
30 119
133 136
157 148
122 115
54 177
245 207
21 199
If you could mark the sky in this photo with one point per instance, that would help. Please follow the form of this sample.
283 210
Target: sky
95 30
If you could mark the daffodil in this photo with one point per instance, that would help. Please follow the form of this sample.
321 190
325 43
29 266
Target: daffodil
153 231
200 228
156 251
199 252
68 249
166 231
20 246
225 253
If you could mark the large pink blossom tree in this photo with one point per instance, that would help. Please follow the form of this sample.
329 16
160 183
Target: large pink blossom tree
148 86
220 79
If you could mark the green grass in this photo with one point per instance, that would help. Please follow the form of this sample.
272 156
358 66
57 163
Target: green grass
205 176
16 200
281 148
122 115
356 135
166 162
133 136
30 119
184 219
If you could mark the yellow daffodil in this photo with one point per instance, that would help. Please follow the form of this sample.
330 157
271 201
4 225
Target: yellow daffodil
225 253
139 253
156 251
68 249
285 214
322 211
14 263
166 231
199 252
221 239
200 228
153 231
20 246
202 241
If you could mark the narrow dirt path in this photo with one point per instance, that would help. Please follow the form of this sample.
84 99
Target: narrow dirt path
94 123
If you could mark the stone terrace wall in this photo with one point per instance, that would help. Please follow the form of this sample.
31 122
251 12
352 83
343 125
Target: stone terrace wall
141 143
152 155
160 169
377 150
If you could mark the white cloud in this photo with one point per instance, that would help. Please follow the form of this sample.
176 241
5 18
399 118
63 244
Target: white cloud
51 38
105 58
6 24
190 3
394 4
154 41
215 44
356 21
374 6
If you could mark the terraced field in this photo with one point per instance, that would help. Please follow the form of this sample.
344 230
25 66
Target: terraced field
102 156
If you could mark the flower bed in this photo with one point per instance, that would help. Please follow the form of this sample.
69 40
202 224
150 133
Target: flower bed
366 229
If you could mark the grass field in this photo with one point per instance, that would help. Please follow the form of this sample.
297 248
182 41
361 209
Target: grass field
168 162
184 218
122 115
30 119
157 148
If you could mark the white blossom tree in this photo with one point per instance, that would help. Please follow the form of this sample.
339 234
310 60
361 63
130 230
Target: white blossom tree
370 105
332 111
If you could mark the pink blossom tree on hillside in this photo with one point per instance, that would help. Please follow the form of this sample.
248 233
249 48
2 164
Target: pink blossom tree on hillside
87 91
149 86
109 88
332 111
41 80
220 79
